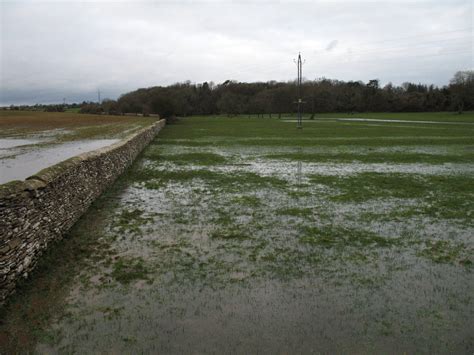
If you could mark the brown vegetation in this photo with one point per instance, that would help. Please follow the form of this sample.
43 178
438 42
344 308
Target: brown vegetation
40 121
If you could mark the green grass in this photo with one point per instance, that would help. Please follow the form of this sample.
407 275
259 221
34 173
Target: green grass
445 196
73 110
443 251
229 234
189 158
366 186
156 179
214 131
131 221
250 201
295 211
339 237
369 157
127 270
409 116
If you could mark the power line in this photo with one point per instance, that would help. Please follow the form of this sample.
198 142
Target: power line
461 51
453 41
277 65
420 35
400 50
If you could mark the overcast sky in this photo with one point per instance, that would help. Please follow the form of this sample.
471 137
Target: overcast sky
61 49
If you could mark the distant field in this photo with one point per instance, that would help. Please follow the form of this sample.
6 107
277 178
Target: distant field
31 141
246 235
409 116
415 116
74 110
68 125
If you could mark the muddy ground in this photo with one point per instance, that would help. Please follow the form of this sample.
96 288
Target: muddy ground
237 235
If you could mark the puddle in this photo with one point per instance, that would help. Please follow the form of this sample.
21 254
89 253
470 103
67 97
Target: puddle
25 164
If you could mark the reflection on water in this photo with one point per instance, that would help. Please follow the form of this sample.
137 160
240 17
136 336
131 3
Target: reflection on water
299 168
22 164
298 173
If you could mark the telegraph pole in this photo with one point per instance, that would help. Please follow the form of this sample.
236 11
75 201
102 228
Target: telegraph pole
299 101
98 95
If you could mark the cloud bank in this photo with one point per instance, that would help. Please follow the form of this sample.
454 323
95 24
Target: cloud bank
56 50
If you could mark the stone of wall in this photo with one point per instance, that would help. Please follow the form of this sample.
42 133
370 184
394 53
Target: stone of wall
45 206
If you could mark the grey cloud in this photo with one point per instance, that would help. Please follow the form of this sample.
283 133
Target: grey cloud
51 50
332 45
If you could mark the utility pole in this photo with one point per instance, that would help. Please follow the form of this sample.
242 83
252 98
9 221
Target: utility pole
299 101
98 95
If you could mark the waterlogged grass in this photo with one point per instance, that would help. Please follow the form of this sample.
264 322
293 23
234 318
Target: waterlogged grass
215 132
368 157
127 270
40 299
237 228
190 158
131 221
366 186
444 251
467 117
441 196
229 234
295 211
337 237
156 179
250 201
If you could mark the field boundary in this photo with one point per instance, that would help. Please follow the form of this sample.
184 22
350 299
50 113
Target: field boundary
42 208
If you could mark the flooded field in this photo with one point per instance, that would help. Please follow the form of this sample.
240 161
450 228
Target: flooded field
31 141
237 235
21 161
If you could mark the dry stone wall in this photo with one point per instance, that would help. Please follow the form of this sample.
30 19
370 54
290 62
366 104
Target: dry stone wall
45 206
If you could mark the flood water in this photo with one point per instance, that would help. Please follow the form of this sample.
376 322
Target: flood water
204 247
21 158
7 143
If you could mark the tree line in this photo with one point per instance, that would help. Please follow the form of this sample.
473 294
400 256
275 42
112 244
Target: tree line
320 95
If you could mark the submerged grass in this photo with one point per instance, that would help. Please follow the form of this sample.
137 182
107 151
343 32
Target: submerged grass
395 157
187 158
229 234
131 221
250 201
340 237
366 186
156 179
446 196
128 270
295 211
447 252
